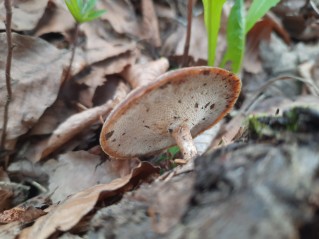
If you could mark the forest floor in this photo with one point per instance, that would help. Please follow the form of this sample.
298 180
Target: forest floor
257 173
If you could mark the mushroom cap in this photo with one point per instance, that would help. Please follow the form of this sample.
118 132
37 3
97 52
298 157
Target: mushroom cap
142 123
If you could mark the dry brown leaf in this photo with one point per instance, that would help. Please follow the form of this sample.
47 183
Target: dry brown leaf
25 14
9 231
36 74
94 79
66 215
80 121
167 200
56 18
101 44
5 199
121 15
142 74
150 23
20 214
261 32
75 171
51 118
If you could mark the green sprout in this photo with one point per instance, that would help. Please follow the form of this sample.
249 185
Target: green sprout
83 10
238 26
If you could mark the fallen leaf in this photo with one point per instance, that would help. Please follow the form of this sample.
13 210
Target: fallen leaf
101 44
76 123
121 16
36 74
75 171
150 23
67 214
25 14
24 215
56 18
142 74
167 200
5 199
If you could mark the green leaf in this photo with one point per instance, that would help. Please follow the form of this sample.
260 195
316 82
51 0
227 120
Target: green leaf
94 15
212 14
89 6
235 37
83 10
173 151
257 10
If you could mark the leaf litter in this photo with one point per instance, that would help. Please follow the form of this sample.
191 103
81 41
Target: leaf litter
54 128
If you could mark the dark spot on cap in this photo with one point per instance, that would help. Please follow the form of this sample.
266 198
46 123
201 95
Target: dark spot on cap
124 133
109 135
204 84
212 106
179 101
170 130
205 72
176 117
113 140
147 109
119 145
146 126
203 118
196 105
230 75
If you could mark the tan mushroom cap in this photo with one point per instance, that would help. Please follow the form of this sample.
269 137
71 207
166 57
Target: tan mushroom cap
142 124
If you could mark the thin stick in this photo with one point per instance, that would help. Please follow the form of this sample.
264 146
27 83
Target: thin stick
7 5
188 33
68 72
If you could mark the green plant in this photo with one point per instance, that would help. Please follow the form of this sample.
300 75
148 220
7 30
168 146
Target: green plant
82 11
238 26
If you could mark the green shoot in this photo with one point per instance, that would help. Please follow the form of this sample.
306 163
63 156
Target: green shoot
83 10
235 37
169 154
237 28
257 10
212 13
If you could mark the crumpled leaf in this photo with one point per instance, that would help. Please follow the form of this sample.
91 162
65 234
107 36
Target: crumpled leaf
20 214
121 15
142 74
101 44
25 14
67 214
79 122
36 73
75 171
150 26
55 19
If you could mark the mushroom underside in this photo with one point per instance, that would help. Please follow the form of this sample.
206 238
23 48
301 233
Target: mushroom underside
144 124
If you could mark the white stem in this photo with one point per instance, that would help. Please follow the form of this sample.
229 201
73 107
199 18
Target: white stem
184 140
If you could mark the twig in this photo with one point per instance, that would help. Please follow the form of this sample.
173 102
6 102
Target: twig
68 72
7 5
188 33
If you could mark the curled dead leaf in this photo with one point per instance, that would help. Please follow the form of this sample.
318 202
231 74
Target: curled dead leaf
66 215
35 83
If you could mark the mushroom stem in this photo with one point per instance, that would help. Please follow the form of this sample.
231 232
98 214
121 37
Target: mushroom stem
184 140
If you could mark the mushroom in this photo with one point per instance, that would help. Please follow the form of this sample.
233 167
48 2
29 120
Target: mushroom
173 109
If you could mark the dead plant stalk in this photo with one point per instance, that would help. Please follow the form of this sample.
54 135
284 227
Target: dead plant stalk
8 8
